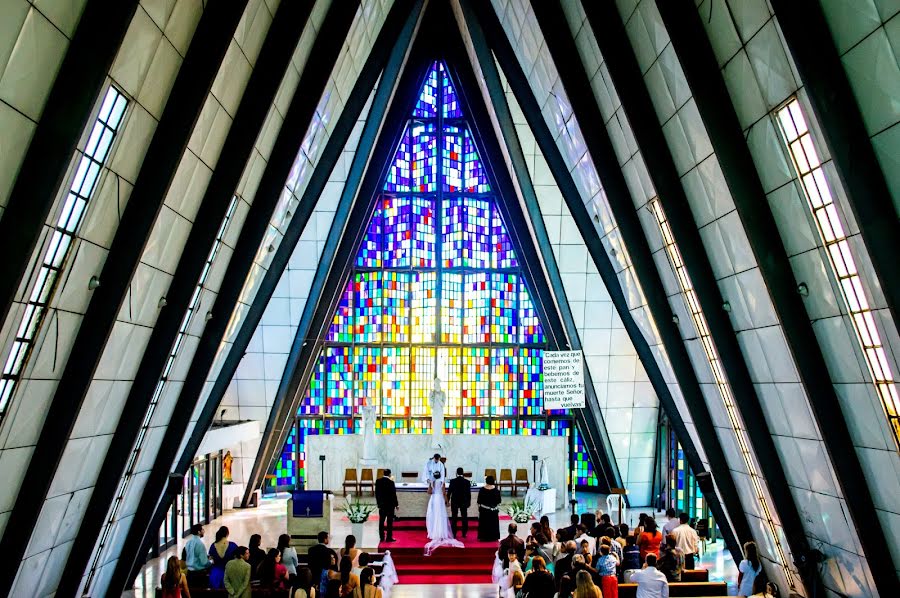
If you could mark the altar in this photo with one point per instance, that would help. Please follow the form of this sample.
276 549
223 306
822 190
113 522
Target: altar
409 452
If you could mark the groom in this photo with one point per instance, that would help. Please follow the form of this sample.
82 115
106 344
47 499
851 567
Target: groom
386 498
460 499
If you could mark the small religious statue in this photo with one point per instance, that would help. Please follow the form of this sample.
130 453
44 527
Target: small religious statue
543 476
437 399
368 425
227 460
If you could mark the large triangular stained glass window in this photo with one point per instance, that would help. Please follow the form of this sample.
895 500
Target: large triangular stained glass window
436 289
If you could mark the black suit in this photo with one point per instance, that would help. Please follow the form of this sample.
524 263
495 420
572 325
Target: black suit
386 497
515 543
460 499
320 558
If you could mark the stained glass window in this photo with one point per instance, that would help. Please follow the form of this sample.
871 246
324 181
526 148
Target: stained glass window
436 290
584 470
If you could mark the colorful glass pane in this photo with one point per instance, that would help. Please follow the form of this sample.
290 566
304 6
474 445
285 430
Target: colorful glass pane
286 468
395 307
452 163
366 375
395 371
424 158
370 253
475 396
531 381
465 230
341 330
408 232
449 369
421 243
421 380
504 382
533 427
474 174
367 307
502 253
426 105
477 311
584 469
399 177
530 330
504 312
450 103
451 307
424 306
339 381
314 400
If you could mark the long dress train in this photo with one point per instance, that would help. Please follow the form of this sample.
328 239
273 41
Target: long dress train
437 524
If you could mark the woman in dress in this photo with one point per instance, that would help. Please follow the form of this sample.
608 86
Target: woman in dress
174 583
288 554
257 555
437 523
349 579
351 550
488 512
272 574
650 539
221 551
584 586
748 569
367 587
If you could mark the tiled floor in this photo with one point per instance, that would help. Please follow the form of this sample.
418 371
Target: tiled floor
270 520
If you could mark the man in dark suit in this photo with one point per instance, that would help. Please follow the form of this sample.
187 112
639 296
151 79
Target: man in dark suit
572 530
512 542
386 497
320 555
460 499
564 565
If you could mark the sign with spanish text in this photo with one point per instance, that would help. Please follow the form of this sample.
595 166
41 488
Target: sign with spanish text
563 380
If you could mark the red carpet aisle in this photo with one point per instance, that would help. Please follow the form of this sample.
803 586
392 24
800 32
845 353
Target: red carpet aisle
471 564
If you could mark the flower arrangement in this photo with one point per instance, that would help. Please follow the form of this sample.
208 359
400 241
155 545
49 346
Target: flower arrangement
356 510
520 512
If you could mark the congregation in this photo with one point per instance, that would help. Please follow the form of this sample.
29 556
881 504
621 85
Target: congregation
592 556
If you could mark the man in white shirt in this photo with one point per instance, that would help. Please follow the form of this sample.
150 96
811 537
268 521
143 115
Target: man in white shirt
583 536
651 583
671 524
687 539
434 464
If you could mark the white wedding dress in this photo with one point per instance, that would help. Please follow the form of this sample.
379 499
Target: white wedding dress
437 523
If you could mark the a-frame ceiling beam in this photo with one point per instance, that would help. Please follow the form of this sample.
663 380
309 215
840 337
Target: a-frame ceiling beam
273 61
315 76
815 56
194 80
698 61
556 313
381 134
78 83
490 26
621 61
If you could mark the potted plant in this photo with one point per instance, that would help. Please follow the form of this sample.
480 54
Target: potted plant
358 513
520 512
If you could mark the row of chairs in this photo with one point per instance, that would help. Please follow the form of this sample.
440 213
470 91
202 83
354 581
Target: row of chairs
366 479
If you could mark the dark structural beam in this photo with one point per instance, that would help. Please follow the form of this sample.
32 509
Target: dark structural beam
81 78
614 186
815 56
621 61
274 58
315 76
696 56
379 138
205 54
554 310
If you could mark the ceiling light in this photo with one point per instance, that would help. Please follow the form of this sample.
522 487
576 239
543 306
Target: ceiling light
93 283
803 289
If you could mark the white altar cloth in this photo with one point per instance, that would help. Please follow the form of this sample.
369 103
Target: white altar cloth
543 500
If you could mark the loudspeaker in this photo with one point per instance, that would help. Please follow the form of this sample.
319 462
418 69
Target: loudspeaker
705 482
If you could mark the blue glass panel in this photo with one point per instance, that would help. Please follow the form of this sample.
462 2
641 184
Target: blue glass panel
451 108
426 105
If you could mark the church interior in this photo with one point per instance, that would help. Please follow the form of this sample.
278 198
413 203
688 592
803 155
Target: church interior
450 298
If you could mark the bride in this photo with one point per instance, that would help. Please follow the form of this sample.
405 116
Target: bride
437 524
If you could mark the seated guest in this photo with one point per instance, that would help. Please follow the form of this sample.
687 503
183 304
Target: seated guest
367 588
349 581
271 573
586 551
564 565
687 539
539 581
288 554
584 586
303 584
511 541
631 555
606 569
320 557
220 552
671 563
257 555
651 583
350 550
650 540
174 583
195 556
236 576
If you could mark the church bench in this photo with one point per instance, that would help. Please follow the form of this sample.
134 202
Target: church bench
681 589
694 575
208 593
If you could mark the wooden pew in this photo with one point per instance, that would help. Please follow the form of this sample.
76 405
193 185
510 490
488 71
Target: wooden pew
681 589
